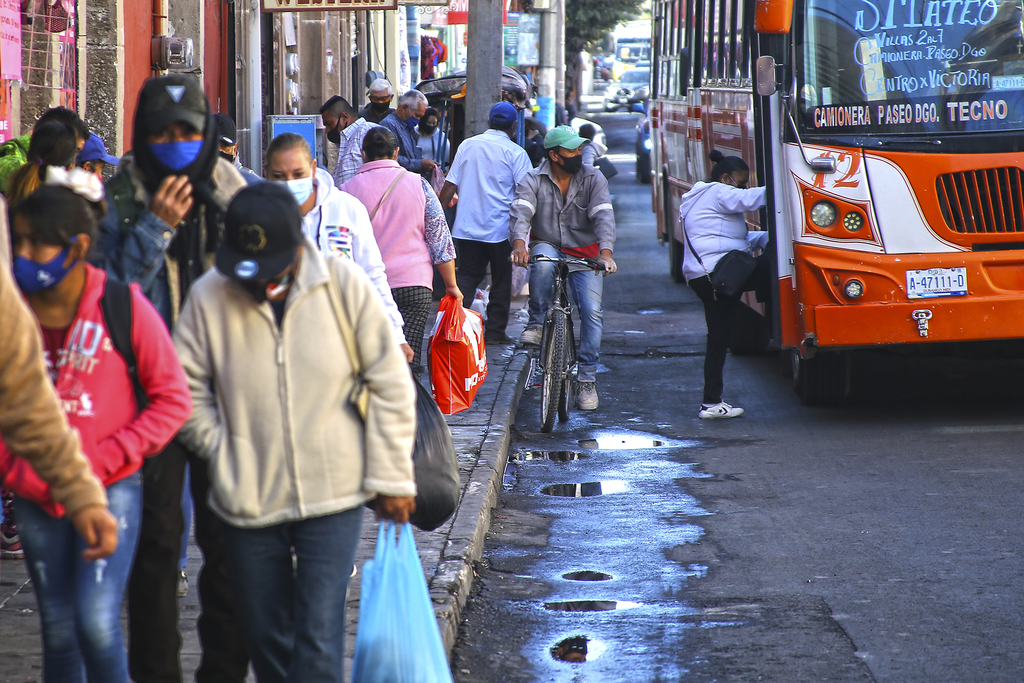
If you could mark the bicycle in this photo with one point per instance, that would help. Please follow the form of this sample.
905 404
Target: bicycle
558 344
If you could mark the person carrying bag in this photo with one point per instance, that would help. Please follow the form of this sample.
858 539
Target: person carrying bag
718 264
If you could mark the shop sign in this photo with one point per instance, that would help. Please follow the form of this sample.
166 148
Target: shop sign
324 5
10 40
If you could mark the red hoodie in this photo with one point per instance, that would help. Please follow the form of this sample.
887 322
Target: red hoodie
98 399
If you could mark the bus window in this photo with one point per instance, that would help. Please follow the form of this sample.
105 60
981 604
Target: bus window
888 68
724 29
695 44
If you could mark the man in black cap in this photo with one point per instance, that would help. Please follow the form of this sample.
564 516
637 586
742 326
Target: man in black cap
291 467
166 208
227 136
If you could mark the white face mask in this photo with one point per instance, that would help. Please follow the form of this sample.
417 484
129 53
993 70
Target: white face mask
300 188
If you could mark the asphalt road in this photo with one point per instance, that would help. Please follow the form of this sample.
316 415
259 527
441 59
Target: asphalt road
878 541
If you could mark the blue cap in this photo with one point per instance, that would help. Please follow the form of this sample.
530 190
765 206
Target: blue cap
503 112
93 150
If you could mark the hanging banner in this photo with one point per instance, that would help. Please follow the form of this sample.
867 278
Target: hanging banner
323 5
458 12
10 40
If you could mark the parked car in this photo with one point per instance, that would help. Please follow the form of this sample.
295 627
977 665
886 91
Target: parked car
643 149
632 88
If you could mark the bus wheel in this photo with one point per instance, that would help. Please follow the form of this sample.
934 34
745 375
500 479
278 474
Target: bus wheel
823 380
750 335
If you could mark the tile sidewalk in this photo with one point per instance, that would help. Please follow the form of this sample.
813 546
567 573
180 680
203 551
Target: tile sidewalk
481 435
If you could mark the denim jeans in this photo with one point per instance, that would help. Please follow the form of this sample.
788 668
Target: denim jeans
587 290
79 601
293 616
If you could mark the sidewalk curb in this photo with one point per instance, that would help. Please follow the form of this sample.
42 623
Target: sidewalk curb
453 579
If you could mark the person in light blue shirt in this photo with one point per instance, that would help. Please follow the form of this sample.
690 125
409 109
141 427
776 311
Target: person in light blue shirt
485 172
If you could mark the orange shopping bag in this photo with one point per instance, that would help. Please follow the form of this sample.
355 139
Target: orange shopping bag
458 362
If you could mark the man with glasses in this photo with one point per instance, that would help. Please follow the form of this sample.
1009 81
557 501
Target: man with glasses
379 106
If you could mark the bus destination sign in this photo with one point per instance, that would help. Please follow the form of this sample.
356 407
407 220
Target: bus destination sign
326 5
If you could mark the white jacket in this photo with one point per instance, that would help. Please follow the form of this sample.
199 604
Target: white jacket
270 404
712 217
339 224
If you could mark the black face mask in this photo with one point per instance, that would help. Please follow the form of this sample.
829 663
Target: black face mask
380 107
572 165
258 290
427 130
228 157
334 134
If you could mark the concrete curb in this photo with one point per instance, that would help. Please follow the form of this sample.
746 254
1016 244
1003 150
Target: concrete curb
453 579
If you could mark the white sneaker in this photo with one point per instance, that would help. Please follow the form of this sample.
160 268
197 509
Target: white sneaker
719 410
586 396
531 335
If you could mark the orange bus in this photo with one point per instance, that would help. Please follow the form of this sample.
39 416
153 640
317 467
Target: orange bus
889 134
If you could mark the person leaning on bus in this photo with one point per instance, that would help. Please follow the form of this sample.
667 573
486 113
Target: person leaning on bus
711 214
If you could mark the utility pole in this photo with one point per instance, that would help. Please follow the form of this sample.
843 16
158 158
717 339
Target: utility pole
547 70
483 63
560 54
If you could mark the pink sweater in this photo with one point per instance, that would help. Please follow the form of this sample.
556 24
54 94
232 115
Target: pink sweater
399 224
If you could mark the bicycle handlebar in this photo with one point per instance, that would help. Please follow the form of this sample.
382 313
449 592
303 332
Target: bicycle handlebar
593 264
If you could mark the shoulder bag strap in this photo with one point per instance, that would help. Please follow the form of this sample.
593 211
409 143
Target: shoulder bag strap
359 397
386 194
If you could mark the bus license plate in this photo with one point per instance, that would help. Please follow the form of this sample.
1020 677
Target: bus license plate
926 284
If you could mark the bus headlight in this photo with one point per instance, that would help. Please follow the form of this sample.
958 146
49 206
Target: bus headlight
854 289
647 144
853 221
823 214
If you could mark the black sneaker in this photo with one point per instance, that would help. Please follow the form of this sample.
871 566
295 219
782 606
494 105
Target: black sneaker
497 338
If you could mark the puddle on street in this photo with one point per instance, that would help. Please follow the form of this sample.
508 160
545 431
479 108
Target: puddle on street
557 456
587 575
577 649
590 605
585 490
621 441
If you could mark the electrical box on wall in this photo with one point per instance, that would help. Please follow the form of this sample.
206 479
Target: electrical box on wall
173 54
310 127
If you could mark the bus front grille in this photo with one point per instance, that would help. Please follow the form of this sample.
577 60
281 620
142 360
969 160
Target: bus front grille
987 201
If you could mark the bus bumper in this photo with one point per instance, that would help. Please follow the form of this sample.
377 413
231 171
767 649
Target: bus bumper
992 309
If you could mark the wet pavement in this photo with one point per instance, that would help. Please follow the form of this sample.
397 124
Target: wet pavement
879 541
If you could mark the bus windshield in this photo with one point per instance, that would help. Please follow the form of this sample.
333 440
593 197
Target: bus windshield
889 67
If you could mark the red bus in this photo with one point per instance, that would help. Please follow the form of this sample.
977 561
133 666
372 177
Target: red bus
889 135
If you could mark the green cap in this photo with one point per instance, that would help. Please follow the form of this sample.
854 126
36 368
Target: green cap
563 136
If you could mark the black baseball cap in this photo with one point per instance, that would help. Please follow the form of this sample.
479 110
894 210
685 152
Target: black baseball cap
167 99
262 233
227 134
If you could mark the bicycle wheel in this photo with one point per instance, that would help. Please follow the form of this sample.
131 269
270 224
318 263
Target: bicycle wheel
553 360
565 400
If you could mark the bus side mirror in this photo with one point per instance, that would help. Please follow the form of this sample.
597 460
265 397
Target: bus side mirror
773 16
765 71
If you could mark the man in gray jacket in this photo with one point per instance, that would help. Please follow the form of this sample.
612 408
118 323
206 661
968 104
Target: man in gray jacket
566 209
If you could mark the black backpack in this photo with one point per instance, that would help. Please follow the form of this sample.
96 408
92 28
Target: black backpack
116 304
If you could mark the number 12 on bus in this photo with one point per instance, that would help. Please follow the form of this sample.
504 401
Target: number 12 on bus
889 134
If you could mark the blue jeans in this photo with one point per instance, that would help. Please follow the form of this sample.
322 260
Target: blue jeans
293 618
79 601
587 290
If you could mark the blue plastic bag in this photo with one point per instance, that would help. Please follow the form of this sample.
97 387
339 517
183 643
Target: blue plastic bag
397 640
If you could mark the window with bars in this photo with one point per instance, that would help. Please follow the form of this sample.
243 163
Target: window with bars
49 47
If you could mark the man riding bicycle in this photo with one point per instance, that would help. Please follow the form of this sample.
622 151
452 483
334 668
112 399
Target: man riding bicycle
564 208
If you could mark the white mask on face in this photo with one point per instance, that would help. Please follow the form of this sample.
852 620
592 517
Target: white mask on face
300 188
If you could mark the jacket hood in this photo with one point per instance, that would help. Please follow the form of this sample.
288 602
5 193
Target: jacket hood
16 146
325 189
699 188
195 105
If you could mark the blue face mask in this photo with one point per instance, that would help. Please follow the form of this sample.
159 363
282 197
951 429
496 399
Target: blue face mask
33 276
300 188
176 155
412 122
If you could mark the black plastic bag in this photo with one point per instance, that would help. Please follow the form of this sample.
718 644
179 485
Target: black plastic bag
437 468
